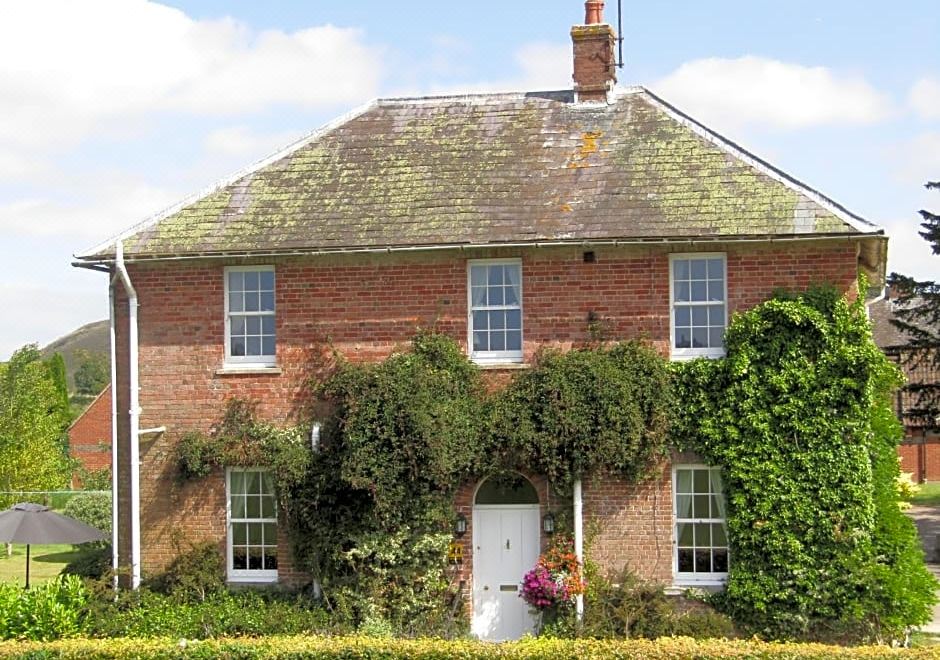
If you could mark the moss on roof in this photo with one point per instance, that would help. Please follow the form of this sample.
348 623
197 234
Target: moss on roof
495 169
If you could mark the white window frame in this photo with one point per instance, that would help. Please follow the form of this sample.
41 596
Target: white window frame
690 353
244 575
686 578
495 357
248 361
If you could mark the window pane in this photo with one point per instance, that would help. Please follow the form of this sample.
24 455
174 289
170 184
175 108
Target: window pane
238 346
716 290
267 280
267 346
497 320
497 341
237 484
700 481
251 280
253 482
514 340
477 275
683 316
703 535
716 337
495 295
480 342
235 282
699 338
495 276
698 269
718 535
235 303
680 269
253 325
238 506
509 296
703 561
716 315
251 301
270 533
514 319
255 559
700 506
239 559
699 315
683 338
682 292
253 346
716 268
685 538
254 534
267 506
239 533
683 506
270 558
699 292
720 561
253 506
267 302
684 481
686 563
267 325
480 320
267 483
238 325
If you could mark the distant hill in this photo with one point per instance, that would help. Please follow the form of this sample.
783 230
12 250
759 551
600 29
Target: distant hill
93 337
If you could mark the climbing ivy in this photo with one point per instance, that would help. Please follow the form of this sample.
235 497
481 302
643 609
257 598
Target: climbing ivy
797 417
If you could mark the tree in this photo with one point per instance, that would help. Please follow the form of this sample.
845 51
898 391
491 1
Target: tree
31 424
93 372
917 314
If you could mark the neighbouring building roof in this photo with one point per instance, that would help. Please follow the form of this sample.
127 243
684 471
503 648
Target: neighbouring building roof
493 169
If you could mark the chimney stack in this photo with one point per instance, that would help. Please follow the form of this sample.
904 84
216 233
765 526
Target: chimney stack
594 63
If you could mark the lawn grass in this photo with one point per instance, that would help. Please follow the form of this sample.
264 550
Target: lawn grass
928 495
46 561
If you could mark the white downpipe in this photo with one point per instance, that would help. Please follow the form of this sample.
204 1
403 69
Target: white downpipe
114 440
134 387
578 541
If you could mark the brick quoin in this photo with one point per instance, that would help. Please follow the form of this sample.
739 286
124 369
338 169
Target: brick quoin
367 306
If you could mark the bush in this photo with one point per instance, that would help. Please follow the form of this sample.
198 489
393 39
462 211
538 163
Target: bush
48 611
92 509
193 575
93 564
436 649
626 607
244 613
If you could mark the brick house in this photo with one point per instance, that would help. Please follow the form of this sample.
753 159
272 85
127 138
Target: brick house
507 221
90 435
920 450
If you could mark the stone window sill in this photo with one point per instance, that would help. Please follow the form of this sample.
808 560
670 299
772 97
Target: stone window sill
233 370
503 366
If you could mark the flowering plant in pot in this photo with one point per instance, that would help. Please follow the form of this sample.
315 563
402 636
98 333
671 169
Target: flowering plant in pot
555 580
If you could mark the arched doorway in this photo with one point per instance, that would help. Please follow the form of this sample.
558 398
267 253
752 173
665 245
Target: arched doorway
505 547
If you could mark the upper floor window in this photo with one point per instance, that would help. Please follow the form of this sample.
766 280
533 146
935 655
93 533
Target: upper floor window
495 310
699 311
252 526
249 315
701 536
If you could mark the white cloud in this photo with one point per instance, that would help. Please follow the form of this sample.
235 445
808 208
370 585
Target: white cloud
242 143
101 62
539 66
918 159
116 205
759 91
924 98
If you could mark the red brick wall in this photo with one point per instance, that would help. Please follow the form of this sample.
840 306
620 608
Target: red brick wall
920 455
366 306
90 435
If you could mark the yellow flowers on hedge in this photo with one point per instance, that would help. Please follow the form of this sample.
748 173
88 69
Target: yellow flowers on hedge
433 649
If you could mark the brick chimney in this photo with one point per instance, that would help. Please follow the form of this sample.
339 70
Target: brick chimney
594 63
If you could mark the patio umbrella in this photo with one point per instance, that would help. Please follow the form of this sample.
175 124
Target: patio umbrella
34 523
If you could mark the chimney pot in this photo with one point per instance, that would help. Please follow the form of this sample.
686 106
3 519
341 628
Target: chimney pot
593 12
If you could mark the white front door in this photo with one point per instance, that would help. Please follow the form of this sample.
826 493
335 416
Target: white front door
505 547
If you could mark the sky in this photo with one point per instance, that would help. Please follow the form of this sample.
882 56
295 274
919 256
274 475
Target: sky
111 110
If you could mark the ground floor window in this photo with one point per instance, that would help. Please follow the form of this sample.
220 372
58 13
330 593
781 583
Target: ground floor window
252 526
701 539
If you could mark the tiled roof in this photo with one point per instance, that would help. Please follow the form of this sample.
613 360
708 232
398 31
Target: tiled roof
494 169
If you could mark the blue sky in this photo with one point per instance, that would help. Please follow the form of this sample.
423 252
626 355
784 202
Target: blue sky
120 107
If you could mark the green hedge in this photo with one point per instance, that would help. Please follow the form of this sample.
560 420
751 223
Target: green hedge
430 649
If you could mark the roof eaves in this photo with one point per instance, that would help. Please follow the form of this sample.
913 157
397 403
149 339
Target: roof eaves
325 129
856 222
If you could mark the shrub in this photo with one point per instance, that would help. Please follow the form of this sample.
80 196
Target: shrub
193 574
93 564
92 509
48 611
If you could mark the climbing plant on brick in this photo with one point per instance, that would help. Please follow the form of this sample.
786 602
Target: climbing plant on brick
797 418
